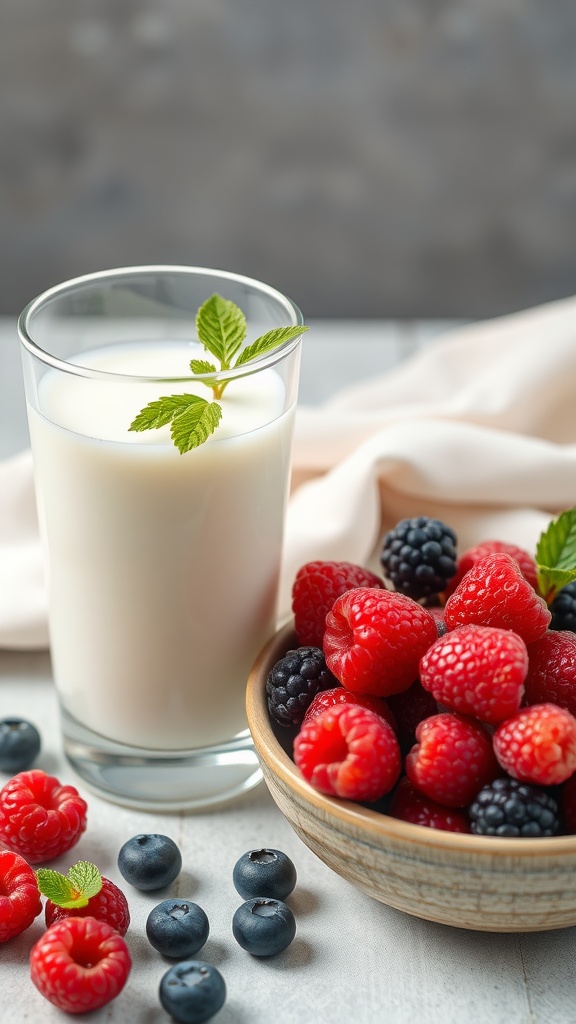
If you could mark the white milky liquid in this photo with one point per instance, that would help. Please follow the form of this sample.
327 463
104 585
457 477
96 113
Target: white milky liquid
163 567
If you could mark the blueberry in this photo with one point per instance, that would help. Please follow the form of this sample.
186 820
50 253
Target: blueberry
19 744
177 928
264 873
192 991
150 861
263 927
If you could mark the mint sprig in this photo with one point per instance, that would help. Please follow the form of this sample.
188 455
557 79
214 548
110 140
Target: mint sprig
556 555
72 890
221 327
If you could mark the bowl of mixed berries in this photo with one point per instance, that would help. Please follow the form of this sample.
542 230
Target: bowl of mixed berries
418 728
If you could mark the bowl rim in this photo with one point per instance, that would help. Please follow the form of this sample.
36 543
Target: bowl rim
379 824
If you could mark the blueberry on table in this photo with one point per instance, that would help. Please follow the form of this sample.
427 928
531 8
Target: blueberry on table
263 927
19 744
264 873
150 861
192 991
177 928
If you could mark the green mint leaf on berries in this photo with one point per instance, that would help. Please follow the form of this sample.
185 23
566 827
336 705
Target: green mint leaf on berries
556 555
221 327
72 890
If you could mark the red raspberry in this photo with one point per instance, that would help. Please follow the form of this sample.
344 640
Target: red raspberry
410 708
350 752
109 905
452 759
477 670
40 818
19 895
538 744
80 964
568 805
316 587
374 640
552 670
494 547
408 804
495 593
340 695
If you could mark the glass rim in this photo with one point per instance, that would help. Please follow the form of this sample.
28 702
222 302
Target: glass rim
246 369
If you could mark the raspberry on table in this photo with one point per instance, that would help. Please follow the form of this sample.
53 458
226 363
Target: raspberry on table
538 744
419 556
340 695
316 587
109 905
294 681
452 759
563 608
350 752
493 547
477 670
511 808
19 895
552 670
374 640
408 804
39 817
495 593
80 964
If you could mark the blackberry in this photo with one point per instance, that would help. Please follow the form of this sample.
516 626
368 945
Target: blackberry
419 556
563 608
511 808
294 681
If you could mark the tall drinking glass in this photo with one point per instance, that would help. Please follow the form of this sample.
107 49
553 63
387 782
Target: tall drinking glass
162 567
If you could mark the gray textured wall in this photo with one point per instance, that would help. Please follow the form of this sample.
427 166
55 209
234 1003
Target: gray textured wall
381 158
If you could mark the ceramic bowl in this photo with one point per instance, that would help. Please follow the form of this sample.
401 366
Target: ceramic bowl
476 882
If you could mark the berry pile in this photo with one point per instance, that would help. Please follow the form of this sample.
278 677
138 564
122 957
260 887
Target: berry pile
457 683
81 961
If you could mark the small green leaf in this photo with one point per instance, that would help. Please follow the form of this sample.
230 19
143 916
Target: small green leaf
268 341
86 878
556 554
162 411
194 425
221 327
202 366
56 887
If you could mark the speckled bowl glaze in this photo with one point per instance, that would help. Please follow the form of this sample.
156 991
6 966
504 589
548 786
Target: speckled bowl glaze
475 882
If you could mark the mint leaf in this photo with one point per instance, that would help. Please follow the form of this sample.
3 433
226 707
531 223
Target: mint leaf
73 890
194 425
202 366
193 419
556 555
86 878
56 887
159 413
221 327
268 341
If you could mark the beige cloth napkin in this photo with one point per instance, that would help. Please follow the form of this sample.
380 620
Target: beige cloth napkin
478 429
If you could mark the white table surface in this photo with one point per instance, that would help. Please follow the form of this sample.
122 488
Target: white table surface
353 961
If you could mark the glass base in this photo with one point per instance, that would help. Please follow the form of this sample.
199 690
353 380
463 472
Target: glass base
159 780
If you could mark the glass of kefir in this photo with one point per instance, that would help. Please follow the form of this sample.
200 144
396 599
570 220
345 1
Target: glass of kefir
162 567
